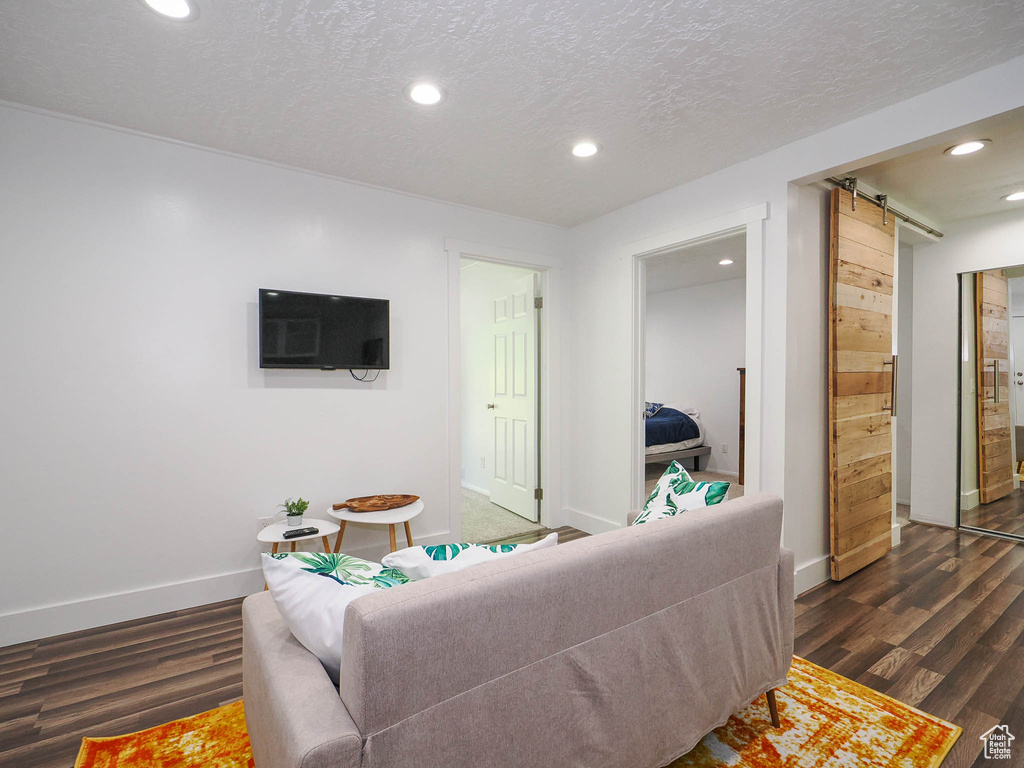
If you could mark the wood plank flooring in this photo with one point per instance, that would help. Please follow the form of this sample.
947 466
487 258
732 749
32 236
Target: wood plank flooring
1005 515
938 623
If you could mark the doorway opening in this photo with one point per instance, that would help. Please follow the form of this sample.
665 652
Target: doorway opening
991 401
693 361
500 310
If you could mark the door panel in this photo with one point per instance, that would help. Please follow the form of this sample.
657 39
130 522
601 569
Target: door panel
862 266
500 450
1017 379
515 400
500 364
995 470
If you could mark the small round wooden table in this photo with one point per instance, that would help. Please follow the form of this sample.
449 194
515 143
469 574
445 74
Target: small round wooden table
388 517
272 533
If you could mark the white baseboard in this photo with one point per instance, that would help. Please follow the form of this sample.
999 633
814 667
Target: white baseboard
589 523
58 619
50 620
485 491
902 502
811 574
897 534
970 499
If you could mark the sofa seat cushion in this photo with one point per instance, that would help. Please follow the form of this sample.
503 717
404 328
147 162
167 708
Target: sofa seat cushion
424 562
312 592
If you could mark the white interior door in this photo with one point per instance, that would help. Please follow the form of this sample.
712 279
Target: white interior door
514 401
1017 378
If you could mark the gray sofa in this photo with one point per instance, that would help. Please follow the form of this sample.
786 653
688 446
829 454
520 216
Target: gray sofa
621 649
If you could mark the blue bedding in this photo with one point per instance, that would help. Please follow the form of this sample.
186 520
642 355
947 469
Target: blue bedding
669 426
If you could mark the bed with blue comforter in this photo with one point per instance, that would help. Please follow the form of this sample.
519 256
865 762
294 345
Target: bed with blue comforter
671 434
668 425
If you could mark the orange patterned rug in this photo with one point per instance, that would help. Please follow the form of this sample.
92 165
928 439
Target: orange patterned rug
827 720
214 739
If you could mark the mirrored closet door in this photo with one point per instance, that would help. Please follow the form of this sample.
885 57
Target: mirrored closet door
992 400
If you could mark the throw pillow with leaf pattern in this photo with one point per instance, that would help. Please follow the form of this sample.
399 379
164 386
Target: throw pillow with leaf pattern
677 492
344 569
424 562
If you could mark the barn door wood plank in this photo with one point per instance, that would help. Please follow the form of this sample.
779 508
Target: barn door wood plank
992 340
861 287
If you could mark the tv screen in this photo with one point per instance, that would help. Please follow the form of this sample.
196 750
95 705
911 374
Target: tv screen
312 330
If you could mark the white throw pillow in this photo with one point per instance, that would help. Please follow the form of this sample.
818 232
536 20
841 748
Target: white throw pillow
313 590
424 562
682 496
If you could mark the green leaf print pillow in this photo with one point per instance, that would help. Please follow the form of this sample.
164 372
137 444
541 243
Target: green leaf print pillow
424 562
312 592
677 492
344 569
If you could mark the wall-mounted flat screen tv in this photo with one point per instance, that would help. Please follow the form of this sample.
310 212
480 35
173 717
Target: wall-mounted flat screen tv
312 330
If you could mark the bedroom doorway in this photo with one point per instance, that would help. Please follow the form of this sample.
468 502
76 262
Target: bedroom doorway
702 359
694 360
499 317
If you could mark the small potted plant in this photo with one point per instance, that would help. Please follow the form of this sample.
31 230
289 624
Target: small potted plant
294 510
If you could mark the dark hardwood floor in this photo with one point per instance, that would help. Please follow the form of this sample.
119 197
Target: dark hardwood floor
938 624
1005 515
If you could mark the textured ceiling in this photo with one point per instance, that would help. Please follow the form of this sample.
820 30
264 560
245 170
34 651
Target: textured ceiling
670 90
698 264
947 188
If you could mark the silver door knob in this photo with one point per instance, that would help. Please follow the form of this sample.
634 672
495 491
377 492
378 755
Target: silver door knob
490 406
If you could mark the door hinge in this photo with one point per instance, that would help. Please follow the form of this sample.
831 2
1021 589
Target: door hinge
538 302
538 493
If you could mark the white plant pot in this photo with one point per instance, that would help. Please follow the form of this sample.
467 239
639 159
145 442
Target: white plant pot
294 520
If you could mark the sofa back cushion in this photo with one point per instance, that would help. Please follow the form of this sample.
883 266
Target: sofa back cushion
411 649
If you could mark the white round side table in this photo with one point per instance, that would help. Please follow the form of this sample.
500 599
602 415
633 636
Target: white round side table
388 517
272 533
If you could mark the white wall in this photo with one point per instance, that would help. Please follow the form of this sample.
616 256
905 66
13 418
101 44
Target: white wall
597 462
806 460
481 283
967 358
988 242
695 340
905 375
138 430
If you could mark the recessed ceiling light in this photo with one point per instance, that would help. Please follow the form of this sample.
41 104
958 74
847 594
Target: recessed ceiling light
968 147
180 10
585 149
1013 197
725 262
426 94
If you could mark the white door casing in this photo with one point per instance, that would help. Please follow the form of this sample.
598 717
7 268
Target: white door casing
1017 373
514 399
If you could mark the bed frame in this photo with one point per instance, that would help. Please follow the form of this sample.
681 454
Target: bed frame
665 458
694 453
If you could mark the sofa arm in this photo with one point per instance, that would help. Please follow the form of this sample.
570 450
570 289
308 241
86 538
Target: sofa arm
292 710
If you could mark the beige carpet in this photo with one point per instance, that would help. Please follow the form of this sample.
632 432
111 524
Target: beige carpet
483 521
655 471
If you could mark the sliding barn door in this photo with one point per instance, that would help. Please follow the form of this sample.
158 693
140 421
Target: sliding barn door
861 365
991 322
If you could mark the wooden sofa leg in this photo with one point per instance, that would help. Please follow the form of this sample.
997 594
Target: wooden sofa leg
773 708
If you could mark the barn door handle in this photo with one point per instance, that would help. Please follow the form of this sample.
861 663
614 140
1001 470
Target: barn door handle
995 389
892 396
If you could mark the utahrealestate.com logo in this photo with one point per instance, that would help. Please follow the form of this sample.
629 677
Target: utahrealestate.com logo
997 743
